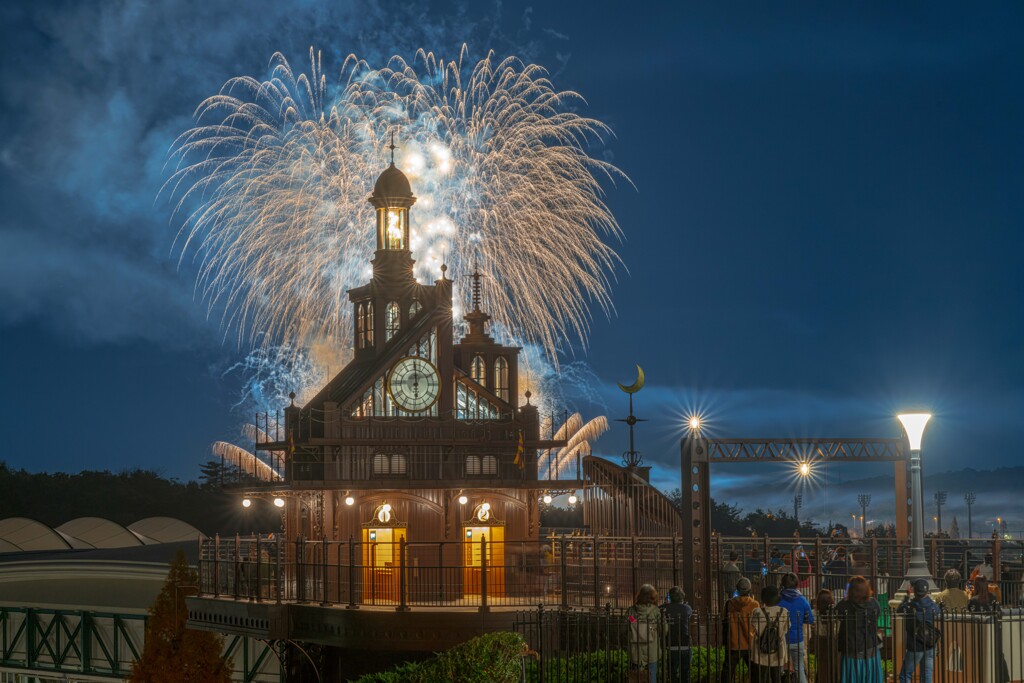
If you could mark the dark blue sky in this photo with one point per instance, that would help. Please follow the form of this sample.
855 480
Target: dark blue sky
826 226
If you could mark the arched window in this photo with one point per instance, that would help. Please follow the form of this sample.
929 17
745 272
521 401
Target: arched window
414 308
501 378
381 464
472 465
478 370
490 466
360 324
367 325
392 319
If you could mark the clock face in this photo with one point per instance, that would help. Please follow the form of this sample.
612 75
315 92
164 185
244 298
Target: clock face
414 384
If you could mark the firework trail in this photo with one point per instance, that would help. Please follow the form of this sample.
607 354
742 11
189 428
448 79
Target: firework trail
271 188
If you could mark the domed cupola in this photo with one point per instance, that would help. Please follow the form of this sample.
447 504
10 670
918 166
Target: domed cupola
392 184
392 196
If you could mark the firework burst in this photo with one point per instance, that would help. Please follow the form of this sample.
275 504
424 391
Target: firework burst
271 184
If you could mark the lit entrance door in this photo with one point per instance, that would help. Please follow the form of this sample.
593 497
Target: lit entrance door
381 563
472 559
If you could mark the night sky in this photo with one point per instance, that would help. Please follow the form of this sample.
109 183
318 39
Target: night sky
825 229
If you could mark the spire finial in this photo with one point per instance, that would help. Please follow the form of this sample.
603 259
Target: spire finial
476 289
392 148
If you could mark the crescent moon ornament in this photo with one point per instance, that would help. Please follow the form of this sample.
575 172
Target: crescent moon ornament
637 385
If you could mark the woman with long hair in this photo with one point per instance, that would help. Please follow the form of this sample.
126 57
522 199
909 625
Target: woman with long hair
646 632
824 638
859 644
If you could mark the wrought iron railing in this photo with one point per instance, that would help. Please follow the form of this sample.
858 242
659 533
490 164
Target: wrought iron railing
611 645
560 571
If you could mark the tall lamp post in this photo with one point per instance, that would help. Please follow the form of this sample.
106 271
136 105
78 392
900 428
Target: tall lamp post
864 500
969 498
913 425
940 500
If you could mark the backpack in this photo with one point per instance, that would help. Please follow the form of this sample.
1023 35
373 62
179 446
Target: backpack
926 634
768 639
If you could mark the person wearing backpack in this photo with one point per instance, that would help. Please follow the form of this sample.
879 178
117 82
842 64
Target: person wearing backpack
921 635
736 616
646 631
769 655
799 614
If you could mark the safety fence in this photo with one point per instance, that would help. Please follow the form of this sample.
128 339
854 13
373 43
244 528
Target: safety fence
830 563
576 646
561 571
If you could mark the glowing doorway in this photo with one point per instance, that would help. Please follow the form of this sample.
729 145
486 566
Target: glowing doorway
472 559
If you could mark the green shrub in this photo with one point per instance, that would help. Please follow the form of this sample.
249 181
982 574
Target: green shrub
490 658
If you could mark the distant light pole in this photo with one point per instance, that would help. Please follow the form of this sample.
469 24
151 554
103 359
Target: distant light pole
969 498
913 425
864 500
940 500
798 502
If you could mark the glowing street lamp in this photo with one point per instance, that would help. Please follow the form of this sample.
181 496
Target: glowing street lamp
694 423
914 424
805 469
246 502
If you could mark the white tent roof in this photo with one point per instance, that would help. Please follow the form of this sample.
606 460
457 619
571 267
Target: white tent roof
165 530
99 532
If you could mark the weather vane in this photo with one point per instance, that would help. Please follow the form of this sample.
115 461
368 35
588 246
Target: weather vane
631 458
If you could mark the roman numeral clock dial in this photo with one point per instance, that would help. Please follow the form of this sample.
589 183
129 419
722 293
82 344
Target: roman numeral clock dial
414 384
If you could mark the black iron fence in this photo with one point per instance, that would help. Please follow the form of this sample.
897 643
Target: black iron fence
566 570
575 646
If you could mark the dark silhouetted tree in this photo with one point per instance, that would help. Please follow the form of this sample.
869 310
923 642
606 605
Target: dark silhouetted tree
173 653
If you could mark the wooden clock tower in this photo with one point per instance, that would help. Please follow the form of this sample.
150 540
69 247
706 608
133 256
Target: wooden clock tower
418 438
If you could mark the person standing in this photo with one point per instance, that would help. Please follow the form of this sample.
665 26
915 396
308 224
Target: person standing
920 633
983 599
677 617
859 644
729 575
799 614
825 641
954 597
646 630
768 626
736 626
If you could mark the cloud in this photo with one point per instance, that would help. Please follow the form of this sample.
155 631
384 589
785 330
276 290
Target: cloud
93 295
95 93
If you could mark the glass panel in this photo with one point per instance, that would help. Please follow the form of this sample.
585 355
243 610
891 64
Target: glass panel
472 465
501 378
392 319
478 370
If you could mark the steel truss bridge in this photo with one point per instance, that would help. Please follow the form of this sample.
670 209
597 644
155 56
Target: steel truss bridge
697 454
51 644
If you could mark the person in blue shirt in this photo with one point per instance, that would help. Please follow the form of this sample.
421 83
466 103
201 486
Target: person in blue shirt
799 614
919 616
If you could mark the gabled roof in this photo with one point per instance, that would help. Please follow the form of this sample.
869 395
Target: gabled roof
467 379
356 377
